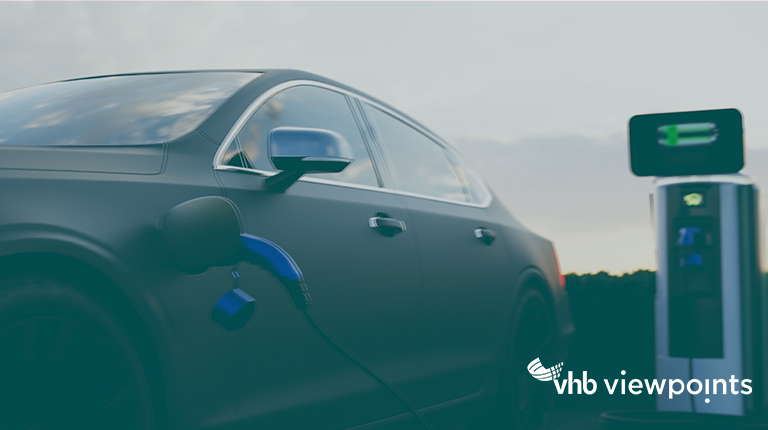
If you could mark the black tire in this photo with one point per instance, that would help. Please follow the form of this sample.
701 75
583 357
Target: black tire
525 403
65 363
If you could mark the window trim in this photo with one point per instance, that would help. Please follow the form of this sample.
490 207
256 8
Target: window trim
370 145
266 95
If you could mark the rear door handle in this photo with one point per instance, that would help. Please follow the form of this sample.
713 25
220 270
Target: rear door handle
386 226
486 235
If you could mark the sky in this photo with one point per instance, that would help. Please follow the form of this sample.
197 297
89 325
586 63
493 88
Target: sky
536 95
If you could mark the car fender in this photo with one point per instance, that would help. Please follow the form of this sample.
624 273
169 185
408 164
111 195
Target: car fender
533 277
528 277
27 239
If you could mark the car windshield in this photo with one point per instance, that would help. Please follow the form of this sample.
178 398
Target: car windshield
115 110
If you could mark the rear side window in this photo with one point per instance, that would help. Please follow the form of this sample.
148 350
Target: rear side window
420 164
115 110
478 191
304 106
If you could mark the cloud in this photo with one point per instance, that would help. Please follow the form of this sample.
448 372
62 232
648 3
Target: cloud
579 192
536 94
575 191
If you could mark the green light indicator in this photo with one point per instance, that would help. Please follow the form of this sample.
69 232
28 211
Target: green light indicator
693 199
697 133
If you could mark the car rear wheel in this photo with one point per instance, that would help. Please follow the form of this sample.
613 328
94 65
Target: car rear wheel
530 401
525 403
65 363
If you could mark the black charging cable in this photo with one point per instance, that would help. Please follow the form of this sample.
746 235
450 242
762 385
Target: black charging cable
300 294
277 262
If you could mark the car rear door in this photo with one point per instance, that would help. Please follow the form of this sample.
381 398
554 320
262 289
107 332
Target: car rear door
364 284
464 266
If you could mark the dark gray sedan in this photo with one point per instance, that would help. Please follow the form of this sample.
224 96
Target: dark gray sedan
115 314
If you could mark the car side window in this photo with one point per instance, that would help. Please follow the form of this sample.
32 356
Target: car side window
478 191
303 106
420 164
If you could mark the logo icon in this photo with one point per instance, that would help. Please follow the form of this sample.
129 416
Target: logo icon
538 371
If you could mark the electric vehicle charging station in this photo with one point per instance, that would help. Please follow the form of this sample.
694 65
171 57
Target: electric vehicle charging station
711 306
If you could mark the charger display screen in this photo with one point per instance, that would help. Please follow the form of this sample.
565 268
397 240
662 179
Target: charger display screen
687 143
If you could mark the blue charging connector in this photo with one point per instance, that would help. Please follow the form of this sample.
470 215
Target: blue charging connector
272 258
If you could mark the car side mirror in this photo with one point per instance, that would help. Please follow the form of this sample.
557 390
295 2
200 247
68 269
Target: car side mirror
201 233
298 150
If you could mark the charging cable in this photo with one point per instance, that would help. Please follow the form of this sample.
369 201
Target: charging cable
270 257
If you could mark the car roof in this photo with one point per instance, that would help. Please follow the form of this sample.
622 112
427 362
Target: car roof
160 72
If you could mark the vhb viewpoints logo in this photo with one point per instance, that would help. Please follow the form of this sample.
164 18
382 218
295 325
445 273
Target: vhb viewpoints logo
538 371
675 387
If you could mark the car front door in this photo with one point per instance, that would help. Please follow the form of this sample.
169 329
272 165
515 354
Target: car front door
465 268
364 284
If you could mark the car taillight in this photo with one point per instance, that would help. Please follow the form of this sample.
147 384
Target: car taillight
560 275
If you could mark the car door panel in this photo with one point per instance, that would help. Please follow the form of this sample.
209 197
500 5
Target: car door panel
466 289
364 287
465 279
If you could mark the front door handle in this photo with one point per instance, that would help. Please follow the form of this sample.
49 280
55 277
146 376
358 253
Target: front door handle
486 235
386 226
